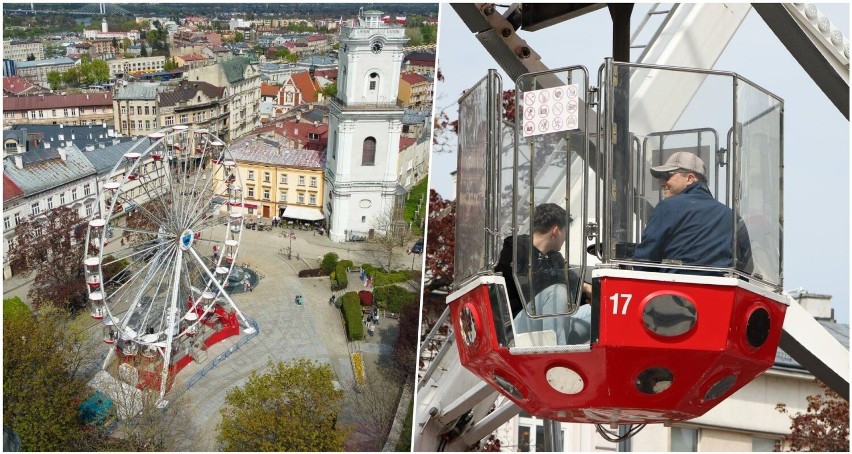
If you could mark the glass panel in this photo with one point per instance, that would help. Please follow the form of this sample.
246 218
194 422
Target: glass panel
760 444
684 440
551 144
655 114
759 175
475 183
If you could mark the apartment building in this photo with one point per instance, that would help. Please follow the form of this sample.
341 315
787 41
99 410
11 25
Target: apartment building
81 109
135 108
19 51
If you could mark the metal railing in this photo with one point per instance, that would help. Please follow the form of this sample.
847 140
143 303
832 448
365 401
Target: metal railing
222 356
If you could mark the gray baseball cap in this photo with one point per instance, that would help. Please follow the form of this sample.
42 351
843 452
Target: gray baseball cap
682 160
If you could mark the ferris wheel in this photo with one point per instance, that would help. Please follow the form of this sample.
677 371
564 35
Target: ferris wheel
162 256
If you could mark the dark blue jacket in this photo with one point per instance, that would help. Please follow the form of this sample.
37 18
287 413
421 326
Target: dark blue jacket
693 228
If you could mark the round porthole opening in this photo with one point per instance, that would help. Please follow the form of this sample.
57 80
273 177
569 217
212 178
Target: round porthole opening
654 380
468 325
720 387
669 315
757 330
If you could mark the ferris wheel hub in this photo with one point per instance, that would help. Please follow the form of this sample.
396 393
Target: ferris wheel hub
186 239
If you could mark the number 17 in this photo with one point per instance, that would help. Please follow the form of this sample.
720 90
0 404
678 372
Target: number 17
625 297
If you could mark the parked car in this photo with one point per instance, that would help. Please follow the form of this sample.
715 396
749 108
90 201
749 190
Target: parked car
418 247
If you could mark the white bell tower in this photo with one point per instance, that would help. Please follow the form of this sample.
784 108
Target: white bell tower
365 125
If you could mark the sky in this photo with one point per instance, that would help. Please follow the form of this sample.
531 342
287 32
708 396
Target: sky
816 134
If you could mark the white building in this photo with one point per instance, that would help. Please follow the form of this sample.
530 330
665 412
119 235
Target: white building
365 124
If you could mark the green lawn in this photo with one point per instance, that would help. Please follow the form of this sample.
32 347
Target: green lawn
416 204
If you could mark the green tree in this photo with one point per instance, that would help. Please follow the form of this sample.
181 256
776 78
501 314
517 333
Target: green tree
291 407
41 352
170 64
31 57
282 54
54 79
292 58
239 37
429 33
115 44
329 262
329 91
71 77
125 44
143 51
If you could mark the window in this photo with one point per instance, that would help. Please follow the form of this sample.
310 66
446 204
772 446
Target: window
170 121
132 124
301 197
87 189
36 208
372 85
17 217
363 219
760 444
251 191
88 209
7 223
62 198
265 193
147 124
74 194
301 180
50 203
283 178
313 182
283 196
138 110
124 110
53 111
266 177
147 110
251 175
684 439
32 114
313 199
333 146
124 125
184 119
368 152
65 112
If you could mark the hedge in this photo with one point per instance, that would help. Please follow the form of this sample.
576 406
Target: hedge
352 316
346 263
382 277
341 277
393 297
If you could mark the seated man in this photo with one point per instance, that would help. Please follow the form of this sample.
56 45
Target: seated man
689 226
548 279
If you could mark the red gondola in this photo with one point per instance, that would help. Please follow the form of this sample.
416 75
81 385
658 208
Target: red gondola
668 341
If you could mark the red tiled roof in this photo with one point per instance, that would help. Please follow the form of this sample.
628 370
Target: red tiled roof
413 78
193 57
317 38
330 74
269 90
405 142
10 189
16 84
57 101
300 131
306 86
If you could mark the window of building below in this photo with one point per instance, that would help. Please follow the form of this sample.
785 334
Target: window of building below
363 219
761 444
301 198
312 200
251 192
684 439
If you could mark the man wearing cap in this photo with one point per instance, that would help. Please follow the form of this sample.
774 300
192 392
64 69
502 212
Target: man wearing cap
689 226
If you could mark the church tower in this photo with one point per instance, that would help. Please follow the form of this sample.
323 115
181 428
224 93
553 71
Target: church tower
365 125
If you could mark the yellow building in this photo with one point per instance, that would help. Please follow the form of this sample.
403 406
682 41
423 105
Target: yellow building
279 181
415 91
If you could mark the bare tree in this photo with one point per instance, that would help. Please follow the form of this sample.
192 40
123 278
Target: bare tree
395 232
144 422
376 401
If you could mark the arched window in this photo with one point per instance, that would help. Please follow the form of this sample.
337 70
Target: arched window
368 154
